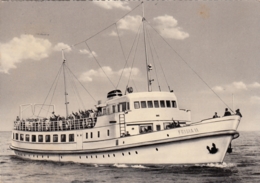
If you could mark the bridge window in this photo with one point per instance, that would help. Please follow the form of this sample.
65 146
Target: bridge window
21 137
168 103
98 134
86 135
40 138
63 137
150 104
136 105
47 138
174 104
71 137
33 138
27 137
162 103
107 132
91 135
156 104
143 104
127 106
16 136
55 138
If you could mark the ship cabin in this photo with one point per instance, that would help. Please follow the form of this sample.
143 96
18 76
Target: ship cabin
119 116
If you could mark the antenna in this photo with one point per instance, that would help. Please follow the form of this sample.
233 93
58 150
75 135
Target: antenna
65 87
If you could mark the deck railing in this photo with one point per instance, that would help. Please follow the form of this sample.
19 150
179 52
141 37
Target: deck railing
62 125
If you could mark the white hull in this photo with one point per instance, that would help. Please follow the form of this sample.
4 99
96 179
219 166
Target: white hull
181 152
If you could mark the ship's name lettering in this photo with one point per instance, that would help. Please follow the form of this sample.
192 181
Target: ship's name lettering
187 131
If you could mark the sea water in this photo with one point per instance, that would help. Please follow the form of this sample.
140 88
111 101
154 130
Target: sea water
242 165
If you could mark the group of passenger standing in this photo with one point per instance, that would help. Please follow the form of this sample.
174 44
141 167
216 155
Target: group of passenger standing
228 113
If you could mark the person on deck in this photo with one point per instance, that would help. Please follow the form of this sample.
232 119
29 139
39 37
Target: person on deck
238 113
227 113
215 115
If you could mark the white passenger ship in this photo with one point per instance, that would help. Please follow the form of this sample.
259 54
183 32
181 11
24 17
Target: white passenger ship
131 128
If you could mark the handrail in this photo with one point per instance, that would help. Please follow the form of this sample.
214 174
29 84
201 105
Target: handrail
61 125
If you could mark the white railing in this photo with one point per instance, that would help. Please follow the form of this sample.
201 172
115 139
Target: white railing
47 125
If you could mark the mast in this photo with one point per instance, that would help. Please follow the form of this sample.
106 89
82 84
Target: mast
65 87
148 68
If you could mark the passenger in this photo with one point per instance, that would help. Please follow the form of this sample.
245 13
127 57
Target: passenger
17 118
48 125
227 113
76 115
127 133
238 113
60 124
178 124
216 115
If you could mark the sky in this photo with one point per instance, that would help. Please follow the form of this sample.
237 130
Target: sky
207 52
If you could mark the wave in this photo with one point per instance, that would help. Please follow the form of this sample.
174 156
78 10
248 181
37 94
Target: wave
219 165
120 165
138 166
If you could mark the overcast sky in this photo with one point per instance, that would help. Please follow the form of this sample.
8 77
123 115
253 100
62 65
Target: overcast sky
219 40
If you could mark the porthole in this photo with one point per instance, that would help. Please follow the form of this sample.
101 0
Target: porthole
96 156
91 156
114 155
156 149
136 152
123 154
60 157
103 156
42 156
86 156
167 135
47 156
108 155
129 153
79 157
123 142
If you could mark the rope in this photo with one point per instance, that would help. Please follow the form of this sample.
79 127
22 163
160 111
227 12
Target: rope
75 90
107 26
126 62
100 65
191 68
81 84
137 43
50 90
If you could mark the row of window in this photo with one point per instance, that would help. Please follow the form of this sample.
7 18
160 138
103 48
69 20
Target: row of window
55 137
155 104
32 138
98 134
116 108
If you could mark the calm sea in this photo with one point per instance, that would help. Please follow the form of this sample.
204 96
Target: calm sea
243 165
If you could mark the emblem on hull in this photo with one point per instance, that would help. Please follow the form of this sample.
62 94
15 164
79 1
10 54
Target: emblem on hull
213 149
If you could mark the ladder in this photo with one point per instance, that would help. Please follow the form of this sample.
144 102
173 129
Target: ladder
122 125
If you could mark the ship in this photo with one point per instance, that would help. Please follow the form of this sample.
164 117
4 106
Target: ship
130 127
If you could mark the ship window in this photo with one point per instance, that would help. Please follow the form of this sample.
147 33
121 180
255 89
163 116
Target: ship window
127 106
16 136
21 137
71 137
137 105
158 127
114 109
168 103
162 103
91 135
27 137
47 138
40 138
156 104
86 135
33 138
107 132
143 104
63 137
150 104
146 128
55 138
174 104
98 134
